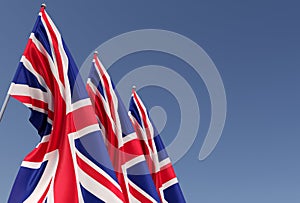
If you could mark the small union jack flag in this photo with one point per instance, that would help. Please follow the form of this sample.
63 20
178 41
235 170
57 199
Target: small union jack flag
70 164
158 160
122 143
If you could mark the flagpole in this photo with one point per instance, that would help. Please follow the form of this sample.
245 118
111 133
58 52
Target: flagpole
4 106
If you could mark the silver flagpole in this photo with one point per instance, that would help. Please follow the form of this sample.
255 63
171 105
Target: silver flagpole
4 106
8 96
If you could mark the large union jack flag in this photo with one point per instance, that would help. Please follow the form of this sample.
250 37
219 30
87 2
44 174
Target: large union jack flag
158 160
122 143
70 164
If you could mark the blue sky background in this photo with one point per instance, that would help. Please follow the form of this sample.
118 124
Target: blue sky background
256 48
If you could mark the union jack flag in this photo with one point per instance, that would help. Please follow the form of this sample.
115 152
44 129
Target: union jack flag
70 163
122 143
158 160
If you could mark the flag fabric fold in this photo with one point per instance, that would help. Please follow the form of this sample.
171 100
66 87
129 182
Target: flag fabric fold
123 145
70 163
159 163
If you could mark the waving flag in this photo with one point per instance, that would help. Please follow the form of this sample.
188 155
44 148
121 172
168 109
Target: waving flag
121 140
71 163
157 158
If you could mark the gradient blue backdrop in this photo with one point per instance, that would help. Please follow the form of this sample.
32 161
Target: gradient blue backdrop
256 48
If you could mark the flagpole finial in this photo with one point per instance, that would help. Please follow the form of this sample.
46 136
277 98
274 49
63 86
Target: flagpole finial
43 5
133 88
96 52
